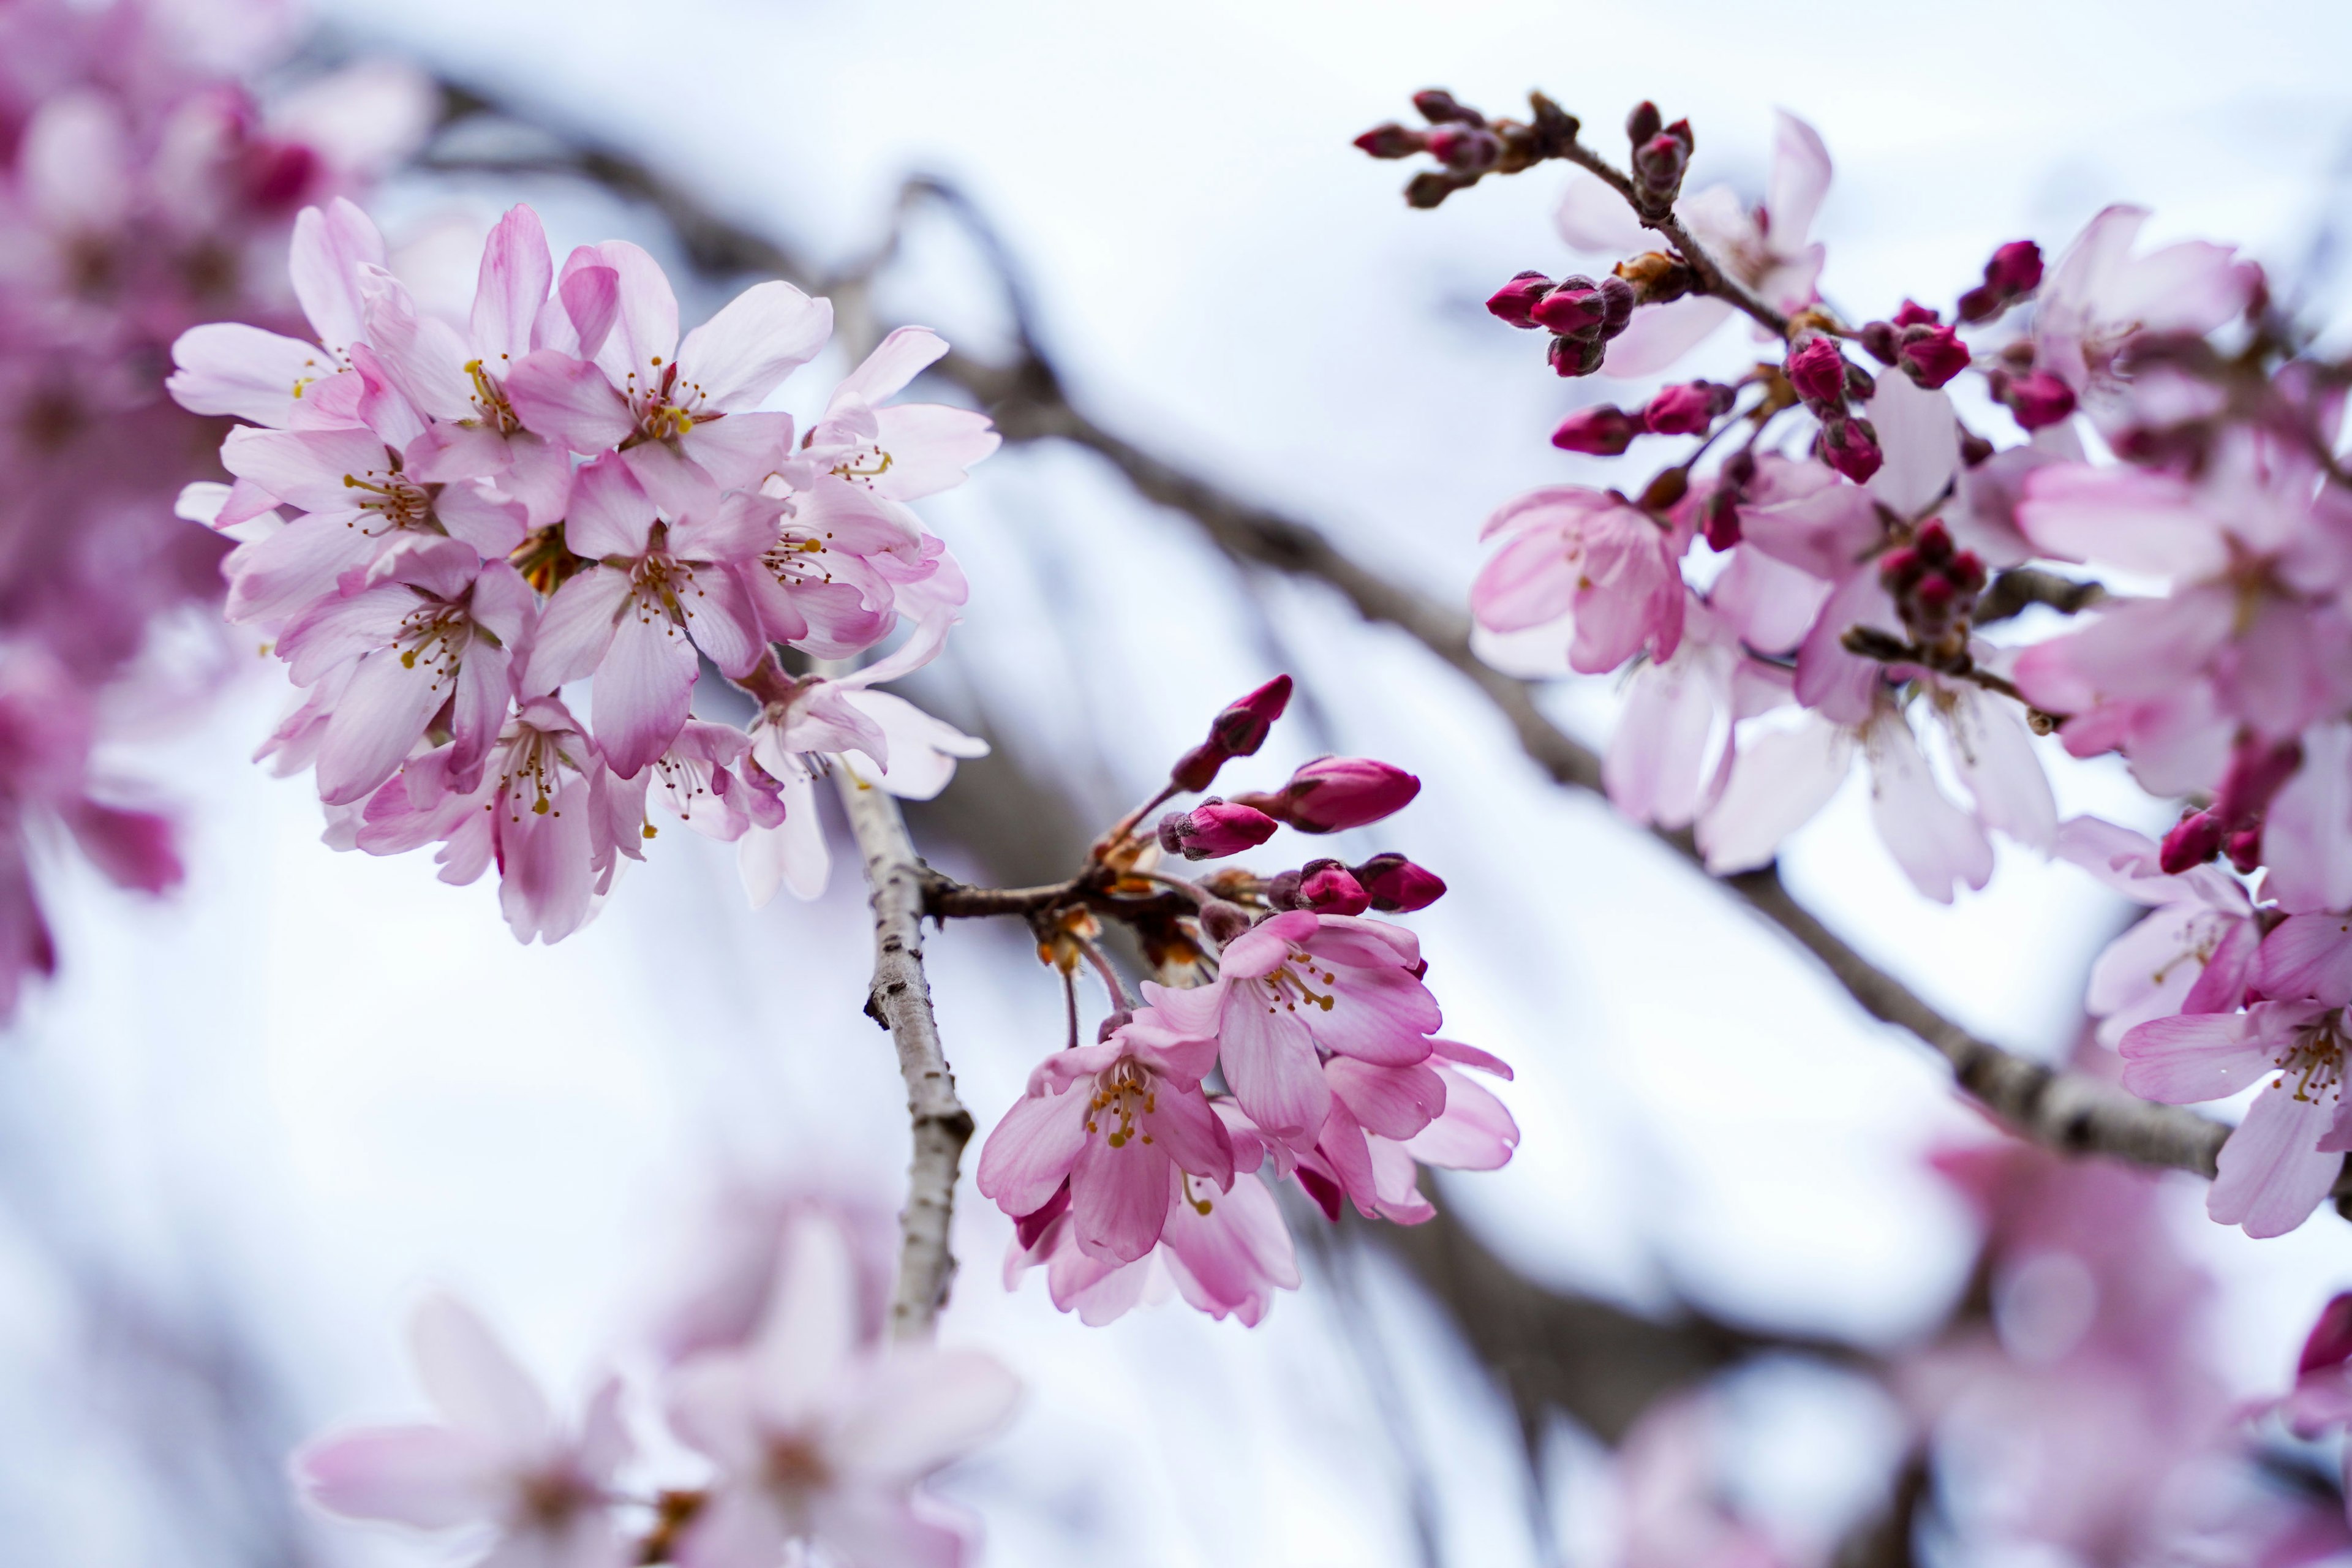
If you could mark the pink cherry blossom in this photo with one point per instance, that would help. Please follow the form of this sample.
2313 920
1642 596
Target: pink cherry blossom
2194 952
1584 580
1112 1120
499 1456
1226 1253
825 1438
2099 295
1294 986
897 452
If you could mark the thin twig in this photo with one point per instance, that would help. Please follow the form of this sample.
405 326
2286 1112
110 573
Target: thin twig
1713 278
900 1000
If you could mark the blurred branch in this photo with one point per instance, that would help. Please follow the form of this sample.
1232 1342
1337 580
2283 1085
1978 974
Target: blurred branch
1027 399
2020 586
900 1000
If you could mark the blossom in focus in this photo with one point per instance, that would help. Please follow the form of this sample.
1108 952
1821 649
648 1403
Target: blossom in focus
1293 985
499 1456
824 1437
1226 1253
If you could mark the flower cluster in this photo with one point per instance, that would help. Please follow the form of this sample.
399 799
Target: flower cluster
497 554
1304 1048
141 187
803 1425
1811 576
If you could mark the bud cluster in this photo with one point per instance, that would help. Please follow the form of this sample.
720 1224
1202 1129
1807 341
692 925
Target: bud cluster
1661 156
1467 145
2013 275
1603 430
1581 315
1935 588
1917 343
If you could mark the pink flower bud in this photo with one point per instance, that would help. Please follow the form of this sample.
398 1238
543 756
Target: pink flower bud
1196 770
1817 370
2330 1344
1601 431
1223 922
1328 887
2194 840
1882 341
1438 107
1241 728
2035 399
1643 123
2015 268
1932 355
1616 305
1659 165
2257 773
1850 447
2244 848
1214 829
1334 792
1577 356
1686 409
1515 302
1913 314
1468 148
1575 309
1393 141
1397 886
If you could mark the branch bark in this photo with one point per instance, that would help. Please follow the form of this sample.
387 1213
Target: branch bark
900 1000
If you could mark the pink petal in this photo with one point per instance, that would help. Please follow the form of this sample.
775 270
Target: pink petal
426 1476
472 1378
762 335
610 514
2196 1057
381 718
576 628
2309 955
516 275
1119 1197
1799 179
1030 1149
1938 845
1473 1132
1661 335
330 247
2272 1174
810 1337
1779 779
641 689
1270 1062
931 447
227 367
569 400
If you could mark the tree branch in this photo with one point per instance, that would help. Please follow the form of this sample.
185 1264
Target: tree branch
1713 278
900 1000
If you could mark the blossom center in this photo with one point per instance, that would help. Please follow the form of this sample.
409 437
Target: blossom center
1127 1091
2313 1062
1287 986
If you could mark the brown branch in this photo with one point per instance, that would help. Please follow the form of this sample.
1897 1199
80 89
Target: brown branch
1713 278
900 1000
2020 586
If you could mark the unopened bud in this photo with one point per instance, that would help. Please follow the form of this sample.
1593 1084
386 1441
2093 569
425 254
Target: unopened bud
1817 370
1850 447
1397 886
1472 149
1241 729
1974 449
2014 271
2257 773
1334 792
1617 305
1328 887
1655 278
1644 123
1393 141
2244 848
1213 829
1281 890
1574 309
1431 186
1913 314
1515 302
1221 921
2194 840
1196 770
2036 399
1438 107
1718 518
1882 341
1659 165
1665 490
1932 355
1686 409
1601 431
1576 356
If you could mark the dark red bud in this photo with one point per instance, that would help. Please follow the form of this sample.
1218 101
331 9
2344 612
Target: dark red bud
1393 141
1515 302
1438 107
1397 886
1472 148
2244 848
1328 887
1719 519
2015 268
1659 165
1431 188
1935 594
1850 447
1241 728
1933 355
1913 314
1577 356
1334 792
2194 840
1282 889
1575 309
1221 921
1817 371
2035 399
1967 569
1934 541
1643 123
1880 339
1214 830
1601 431
1616 305
2257 773
1899 569
1196 770
1686 409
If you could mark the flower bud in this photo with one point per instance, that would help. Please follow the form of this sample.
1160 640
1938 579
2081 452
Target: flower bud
2330 1344
1660 164
1913 314
1397 886
1196 770
1334 792
1718 518
1850 447
1241 728
1393 141
1328 887
1574 309
1686 409
1437 106
1221 921
1882 341
2014 271
2194 840
1643 123
1281 890
1932 355
1515 302
2244 848
1817 370
1577 356
2257 773
2035 399
1214 829
1431 186
1472 148
1599 431
1616 305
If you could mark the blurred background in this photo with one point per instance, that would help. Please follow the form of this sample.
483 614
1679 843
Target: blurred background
249 1123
